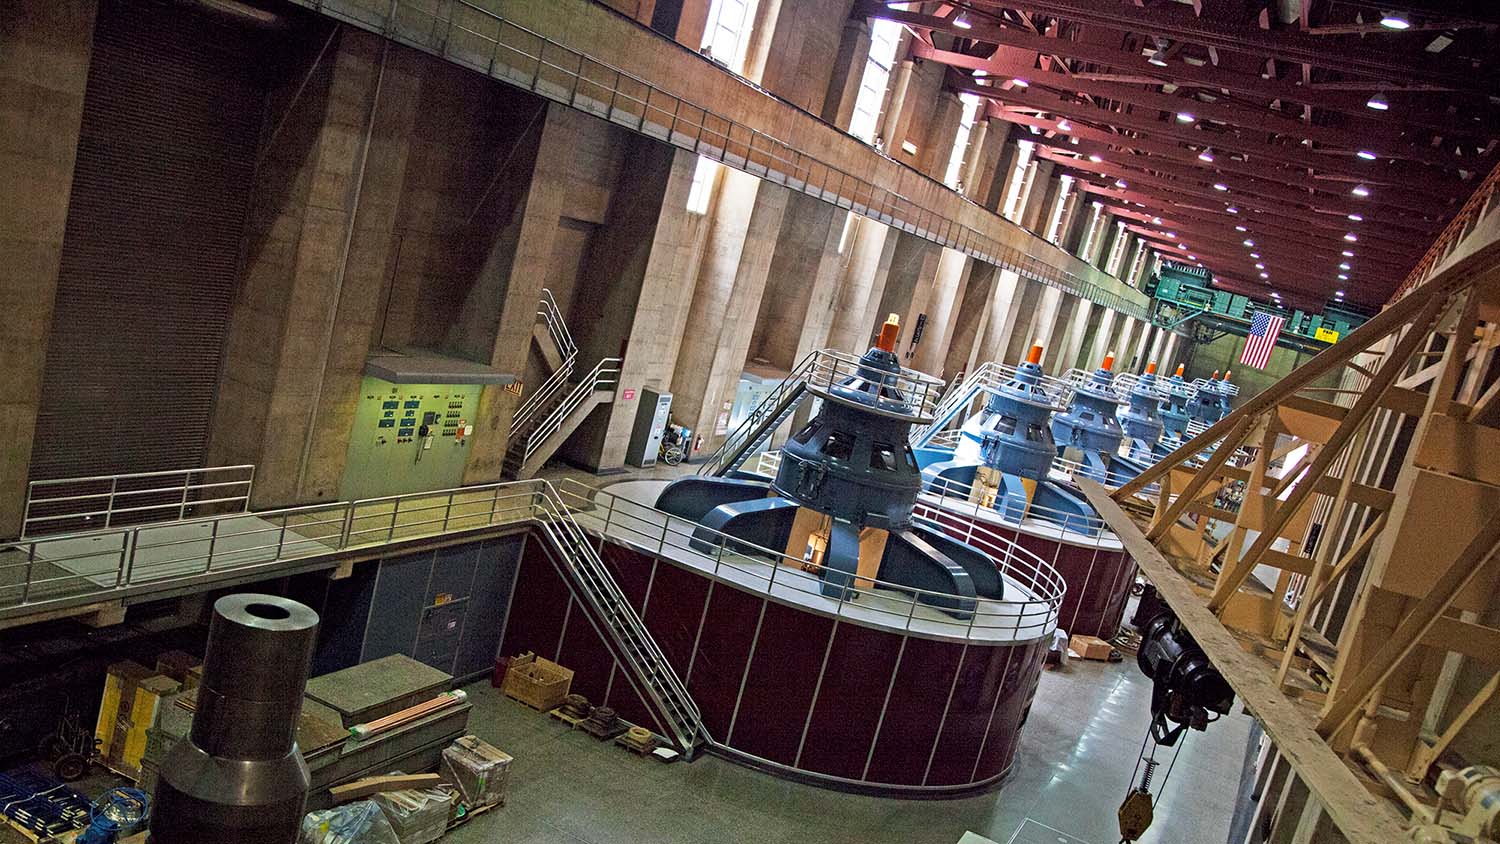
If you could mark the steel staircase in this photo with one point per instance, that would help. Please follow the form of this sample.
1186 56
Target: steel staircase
627 634
764 419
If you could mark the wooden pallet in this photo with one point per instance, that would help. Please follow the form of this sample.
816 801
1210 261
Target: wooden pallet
474 813
571 720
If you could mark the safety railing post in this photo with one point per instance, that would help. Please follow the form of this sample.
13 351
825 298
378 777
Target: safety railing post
182 508
30 566
213 540
109 511
346 533
129 542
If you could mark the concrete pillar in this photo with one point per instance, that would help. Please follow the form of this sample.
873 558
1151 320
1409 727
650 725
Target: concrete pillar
731 281
1059 337
319 234
908 285
848 70
1003 313
1077 336
1104 339
871 247
663 251
1043 195
970 174
939 135
992 189
1158 340
1029 300
44 65
949 286
796 309
971 319
895 107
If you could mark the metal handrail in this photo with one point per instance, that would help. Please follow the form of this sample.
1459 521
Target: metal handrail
1034 615
74 502
604 375
486 42
557 328
824 369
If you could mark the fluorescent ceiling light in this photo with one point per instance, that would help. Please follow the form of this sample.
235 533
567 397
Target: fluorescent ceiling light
1220 186
962 22
1356 218
1249 242
1351 237
1020 83
1348 254
1378 102
1206 155
1395 20
1344 266
1367 155
1184 117
1096 159
1360 191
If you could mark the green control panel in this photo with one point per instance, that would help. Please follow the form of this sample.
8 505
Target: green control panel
408 438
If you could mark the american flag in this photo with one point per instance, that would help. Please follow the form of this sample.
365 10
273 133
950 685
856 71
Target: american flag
1264 329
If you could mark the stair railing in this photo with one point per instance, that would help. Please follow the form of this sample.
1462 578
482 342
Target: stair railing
604 376
633 641
549 313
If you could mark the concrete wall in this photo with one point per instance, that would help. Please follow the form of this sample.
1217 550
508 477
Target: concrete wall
44 63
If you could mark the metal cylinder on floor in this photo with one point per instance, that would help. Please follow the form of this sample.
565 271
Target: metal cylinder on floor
239 776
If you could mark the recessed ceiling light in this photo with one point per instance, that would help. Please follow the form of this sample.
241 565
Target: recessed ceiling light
1275 295
1120 183
1263 275
962 22
1241 229
1192 257
1378 102
1220 186
981 73
1184 117
1020 83
1096 159
1233 210
1339 294
1395 20
1172 235
1351 237
1344 266
1367 155
1249 242
1343 277
1255 254
1156 221
1156 59
1360 191
1206 155
1064 125
1348 254
1260 266
1356 218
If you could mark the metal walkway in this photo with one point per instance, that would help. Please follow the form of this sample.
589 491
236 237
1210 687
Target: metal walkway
43 575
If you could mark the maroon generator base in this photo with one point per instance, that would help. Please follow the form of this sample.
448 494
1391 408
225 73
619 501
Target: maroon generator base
1098 575
788 689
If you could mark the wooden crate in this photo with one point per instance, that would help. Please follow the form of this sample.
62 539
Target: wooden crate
539 683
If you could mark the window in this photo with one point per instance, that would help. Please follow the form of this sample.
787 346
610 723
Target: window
839 445
727 35
885 37
846 233
1093 232
1117 251
1055 224
703 185
807 433
911 459
961 141
883 457
1015 193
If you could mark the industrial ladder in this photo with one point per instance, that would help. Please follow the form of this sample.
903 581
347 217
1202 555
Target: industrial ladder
767 416
632 642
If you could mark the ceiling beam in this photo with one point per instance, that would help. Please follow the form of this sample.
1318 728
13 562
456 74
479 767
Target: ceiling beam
1253 178
1177 22
1342 162
1180 73
1257 120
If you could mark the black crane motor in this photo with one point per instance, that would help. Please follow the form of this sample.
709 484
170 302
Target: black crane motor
1186 686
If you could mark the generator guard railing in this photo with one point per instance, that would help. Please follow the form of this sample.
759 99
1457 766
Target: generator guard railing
463 32
102 501
770 571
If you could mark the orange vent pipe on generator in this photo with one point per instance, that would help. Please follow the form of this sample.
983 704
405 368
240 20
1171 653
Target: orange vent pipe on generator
1180 368
1035 355
886 342
1151 368
1109 362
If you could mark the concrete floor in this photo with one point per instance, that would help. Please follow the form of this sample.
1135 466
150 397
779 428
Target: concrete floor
1070 774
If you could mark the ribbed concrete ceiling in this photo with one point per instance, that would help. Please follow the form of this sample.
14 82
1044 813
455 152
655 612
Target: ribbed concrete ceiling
1334 141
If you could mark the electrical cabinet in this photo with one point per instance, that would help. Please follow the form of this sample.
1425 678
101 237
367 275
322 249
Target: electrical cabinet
651 416
409 438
